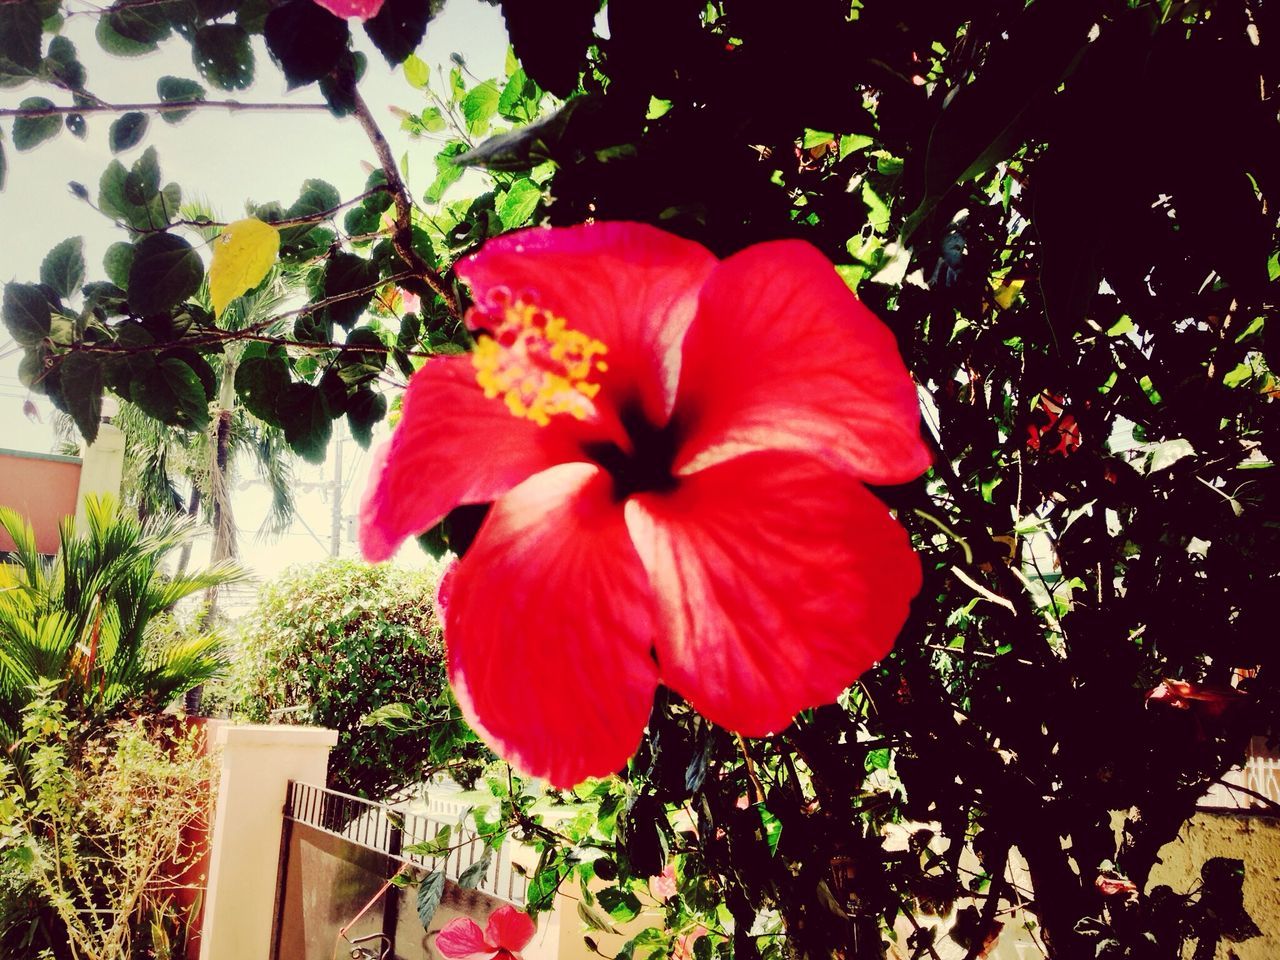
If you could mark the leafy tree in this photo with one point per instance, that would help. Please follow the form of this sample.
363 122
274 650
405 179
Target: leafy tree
92 620
357 649
1067 213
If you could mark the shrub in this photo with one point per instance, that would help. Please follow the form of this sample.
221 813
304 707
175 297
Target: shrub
329 643
94 829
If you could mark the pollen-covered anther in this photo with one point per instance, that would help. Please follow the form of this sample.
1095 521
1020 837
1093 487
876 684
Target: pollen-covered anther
535 362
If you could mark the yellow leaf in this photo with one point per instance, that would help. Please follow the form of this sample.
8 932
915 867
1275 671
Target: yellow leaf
242 256
1006 292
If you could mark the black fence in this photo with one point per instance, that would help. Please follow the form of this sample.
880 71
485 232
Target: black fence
338 854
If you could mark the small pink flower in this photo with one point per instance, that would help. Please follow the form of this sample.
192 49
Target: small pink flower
675 448
410 301
363 9
508 932
663 886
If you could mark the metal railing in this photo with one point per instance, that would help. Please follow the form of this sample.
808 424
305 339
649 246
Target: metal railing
391 830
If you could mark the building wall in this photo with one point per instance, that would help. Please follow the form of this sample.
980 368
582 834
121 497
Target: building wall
1253 839
43 488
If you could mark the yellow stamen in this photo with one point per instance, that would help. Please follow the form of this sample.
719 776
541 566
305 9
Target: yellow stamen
537 364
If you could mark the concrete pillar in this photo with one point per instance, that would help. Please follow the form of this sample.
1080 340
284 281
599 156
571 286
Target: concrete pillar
258 761
102 466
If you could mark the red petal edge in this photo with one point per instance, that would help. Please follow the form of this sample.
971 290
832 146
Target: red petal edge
452 446
783 356
779 582
549 624
632 286
510 929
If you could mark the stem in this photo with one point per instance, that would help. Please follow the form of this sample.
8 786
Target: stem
403 236
172 106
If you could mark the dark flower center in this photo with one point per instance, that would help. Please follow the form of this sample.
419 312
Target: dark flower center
647 467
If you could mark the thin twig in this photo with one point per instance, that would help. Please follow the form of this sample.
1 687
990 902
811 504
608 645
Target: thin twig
403 236
171 106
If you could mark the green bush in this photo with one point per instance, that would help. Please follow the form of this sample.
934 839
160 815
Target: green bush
330 642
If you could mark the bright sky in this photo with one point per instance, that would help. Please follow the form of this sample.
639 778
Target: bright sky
225 158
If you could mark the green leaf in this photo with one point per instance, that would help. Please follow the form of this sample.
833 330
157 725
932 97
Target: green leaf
305 417
417 72
127 131
365 410
165 271
430 890
222 54
20 34
432 120
344 273
519 202
141 22
772 827
356 366
63 267
622 905
519 98
62 66
178 90
437 846
305 39
479 105
134 196
30 132
80 376
117 44
815 138
399 27
169 390
383 716
447 170
470 878
262 379
26 313
117 261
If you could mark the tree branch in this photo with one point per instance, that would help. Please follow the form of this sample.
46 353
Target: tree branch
172 106
403 236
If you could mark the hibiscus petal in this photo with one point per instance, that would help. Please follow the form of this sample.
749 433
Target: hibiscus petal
783 356
453 446
632 286
779 582
549 625
510 929
364 9
462 939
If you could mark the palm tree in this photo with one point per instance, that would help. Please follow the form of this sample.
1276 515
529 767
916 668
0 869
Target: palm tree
92 618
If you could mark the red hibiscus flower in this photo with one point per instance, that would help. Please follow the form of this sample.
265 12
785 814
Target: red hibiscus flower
675 448
364 9
507 933
1181 695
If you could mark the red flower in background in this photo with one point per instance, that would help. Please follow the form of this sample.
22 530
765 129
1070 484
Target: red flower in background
363 9
675 448
507 933
1181 695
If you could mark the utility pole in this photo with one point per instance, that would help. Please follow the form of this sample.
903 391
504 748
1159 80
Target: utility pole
335 520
